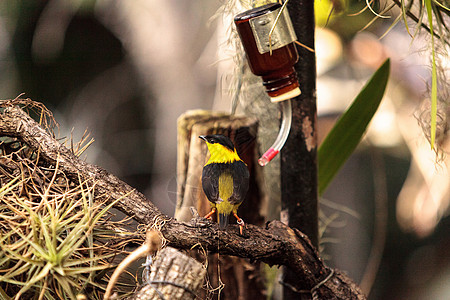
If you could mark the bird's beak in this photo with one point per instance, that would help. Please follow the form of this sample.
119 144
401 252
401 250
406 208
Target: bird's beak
202 137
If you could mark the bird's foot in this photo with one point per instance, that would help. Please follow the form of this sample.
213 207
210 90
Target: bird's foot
208 216
240 223
241 226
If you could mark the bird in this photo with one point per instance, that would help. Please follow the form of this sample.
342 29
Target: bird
225 179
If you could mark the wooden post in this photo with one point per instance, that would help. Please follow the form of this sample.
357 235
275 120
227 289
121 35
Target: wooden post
299 155
173 275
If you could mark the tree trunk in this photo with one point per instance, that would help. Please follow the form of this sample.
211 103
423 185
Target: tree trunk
299 155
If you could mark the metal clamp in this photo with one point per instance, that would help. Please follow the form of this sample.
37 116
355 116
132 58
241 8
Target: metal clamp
282 34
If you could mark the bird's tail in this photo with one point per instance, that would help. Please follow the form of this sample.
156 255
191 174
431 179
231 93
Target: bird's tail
223 220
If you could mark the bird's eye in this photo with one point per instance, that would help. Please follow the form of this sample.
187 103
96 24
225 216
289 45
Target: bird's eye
211 141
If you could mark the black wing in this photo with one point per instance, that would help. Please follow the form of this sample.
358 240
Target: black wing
210 182
240 182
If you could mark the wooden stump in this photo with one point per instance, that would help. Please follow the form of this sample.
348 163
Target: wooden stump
242 279
173 275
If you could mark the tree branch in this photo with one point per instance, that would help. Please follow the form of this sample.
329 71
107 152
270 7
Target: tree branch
276 244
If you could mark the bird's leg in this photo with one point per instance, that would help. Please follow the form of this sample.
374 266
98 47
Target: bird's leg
208 216
240 222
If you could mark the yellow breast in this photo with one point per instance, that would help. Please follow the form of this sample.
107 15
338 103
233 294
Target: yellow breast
225 186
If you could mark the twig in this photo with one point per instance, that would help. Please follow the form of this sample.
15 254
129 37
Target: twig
150 246
415 19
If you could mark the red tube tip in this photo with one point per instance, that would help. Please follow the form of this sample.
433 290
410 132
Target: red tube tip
267 157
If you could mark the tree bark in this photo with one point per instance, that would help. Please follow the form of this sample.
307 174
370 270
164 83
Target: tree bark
276 244
299 208
173 275
299 155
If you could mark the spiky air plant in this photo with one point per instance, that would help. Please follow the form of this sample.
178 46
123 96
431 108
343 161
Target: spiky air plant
56 237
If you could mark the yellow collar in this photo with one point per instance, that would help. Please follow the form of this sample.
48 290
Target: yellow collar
221 154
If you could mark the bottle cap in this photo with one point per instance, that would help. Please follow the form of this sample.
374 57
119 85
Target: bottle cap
286 96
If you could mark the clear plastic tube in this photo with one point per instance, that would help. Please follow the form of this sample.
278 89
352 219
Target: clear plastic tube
282 134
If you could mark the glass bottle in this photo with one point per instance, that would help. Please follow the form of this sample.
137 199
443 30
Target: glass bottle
271 58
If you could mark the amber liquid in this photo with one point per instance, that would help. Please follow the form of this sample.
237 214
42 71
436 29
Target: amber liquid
276 68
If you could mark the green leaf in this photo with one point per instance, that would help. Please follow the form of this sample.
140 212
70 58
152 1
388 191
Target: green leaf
349 129
405 20
36 278
433 77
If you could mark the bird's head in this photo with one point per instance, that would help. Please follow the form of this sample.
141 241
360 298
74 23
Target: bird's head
221 148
